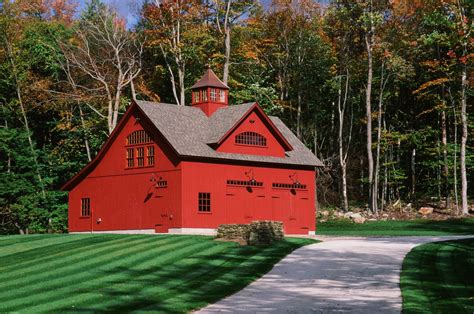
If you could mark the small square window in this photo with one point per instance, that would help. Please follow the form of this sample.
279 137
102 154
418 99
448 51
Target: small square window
204 202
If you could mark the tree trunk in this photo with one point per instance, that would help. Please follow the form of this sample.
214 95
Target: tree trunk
444 141
298 115
368 108
86 139
225 77
182 101
413 155
343 155
465 209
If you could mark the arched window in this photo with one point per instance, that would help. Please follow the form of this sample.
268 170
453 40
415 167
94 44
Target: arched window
138 137
140 151
250 138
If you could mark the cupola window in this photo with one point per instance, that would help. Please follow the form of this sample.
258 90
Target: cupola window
213 94
221 95
251 139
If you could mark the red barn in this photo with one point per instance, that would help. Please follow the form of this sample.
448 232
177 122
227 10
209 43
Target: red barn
188 169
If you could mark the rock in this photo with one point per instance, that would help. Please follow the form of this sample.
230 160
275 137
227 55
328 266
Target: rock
324 213
359 220
385 215
338 214
426 210
372 219
409 206
348 214
355 216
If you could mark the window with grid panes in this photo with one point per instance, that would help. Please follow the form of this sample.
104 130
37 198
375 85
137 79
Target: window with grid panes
150 155
221 95
85 207
204 202
251 138
213 94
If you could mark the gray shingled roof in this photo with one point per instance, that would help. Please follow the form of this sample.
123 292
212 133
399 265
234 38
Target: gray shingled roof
190 131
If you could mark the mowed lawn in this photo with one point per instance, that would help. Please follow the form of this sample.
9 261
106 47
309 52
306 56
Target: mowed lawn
127 272
439 278
419 227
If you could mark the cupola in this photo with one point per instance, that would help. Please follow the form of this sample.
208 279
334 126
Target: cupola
209 93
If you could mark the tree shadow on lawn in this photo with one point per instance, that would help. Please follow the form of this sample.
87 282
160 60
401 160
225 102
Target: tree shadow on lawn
190 283
438 278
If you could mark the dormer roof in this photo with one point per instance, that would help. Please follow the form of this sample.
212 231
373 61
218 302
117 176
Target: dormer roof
209 79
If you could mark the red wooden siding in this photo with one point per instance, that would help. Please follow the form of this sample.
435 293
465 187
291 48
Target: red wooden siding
253 123
234 204
126 198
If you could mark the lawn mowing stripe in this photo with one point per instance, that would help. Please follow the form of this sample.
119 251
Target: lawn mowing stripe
118 287
98 260
64 283
91 250
15 262
448 293
112 277
88 260
204 278
169 287
12 240
31 249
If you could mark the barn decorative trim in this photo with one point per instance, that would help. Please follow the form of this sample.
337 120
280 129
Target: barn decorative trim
296 186
244 183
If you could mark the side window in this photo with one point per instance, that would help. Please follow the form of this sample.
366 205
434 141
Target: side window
85 207
204 202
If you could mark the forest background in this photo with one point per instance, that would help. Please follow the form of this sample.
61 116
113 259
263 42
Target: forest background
379 90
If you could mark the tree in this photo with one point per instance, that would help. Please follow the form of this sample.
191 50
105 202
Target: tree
108 55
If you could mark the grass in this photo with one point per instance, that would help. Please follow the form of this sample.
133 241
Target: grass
439 278
419 227
120 273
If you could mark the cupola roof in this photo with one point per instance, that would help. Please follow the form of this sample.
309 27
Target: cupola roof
209 79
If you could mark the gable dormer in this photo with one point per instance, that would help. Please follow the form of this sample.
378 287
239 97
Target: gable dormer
252 134
209 93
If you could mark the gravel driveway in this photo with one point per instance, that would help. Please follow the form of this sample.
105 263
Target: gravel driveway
358 275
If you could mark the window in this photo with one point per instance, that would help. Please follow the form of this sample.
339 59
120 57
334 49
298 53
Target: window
138 137
244 183
250 138
150 155
204 95
221 95
196 96
140 156
204 202
85 207
213 94
135 150
130 157
161 183
289 186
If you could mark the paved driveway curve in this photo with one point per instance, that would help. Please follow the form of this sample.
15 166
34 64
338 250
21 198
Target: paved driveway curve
339 275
